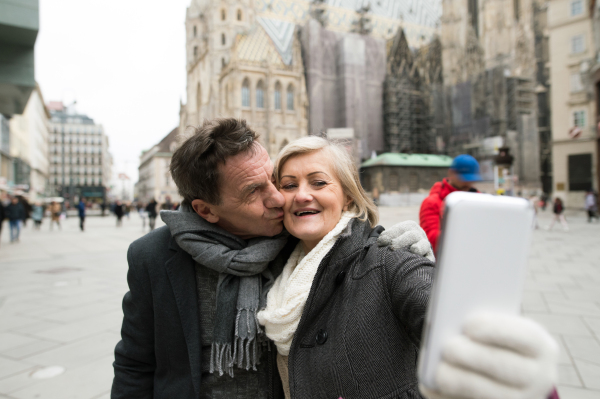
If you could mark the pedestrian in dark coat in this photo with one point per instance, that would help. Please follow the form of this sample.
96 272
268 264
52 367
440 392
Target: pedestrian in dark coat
151 210
81 211
2 217
15 213
119 212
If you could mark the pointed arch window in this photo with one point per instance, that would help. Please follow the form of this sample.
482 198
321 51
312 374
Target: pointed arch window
246 93
239 15
290 98
260 95
223 39
277 96
195 31
223 15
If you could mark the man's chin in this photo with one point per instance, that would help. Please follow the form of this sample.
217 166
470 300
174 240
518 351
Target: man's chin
276 229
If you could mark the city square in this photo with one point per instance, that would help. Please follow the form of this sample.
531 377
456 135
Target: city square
61 293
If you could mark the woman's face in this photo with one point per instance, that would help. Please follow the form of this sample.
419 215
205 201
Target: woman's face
314 199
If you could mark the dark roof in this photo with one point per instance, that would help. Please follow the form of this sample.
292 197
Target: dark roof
165 143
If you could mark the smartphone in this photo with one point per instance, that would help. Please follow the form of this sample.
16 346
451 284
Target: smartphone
482 257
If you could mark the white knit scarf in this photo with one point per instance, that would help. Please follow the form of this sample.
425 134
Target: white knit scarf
287 297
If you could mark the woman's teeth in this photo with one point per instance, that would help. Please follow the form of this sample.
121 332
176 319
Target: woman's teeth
302 213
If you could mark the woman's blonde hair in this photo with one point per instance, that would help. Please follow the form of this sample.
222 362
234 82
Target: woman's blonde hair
344 167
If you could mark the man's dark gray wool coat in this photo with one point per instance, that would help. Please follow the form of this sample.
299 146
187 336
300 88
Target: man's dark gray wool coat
160 352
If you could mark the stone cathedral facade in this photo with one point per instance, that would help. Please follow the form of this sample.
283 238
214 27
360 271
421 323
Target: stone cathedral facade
297 67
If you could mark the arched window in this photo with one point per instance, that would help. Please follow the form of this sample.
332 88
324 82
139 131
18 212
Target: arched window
246 93
223 63
195 51
195 31
290 98
260 95
239 15
278 96
223 39
223 15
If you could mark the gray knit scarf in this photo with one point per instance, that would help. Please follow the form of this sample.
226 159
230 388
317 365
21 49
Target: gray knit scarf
241 291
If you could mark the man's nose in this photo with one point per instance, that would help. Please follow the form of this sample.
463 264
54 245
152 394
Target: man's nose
275 198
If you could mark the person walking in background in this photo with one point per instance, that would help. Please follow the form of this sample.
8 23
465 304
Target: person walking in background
558 215
15 213
26 209
81 210
37 215
55 209
591 205
463 173
142 212
103 207
151 210
2 217
119 211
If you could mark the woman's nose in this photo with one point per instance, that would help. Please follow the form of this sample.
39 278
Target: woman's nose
303 194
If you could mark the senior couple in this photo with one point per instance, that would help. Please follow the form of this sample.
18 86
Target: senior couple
276 282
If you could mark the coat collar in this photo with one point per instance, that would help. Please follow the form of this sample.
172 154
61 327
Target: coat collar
181 270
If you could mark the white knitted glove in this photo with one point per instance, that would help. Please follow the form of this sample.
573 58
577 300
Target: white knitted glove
497 357
409 235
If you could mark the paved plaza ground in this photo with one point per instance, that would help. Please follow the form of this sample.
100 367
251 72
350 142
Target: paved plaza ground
61 292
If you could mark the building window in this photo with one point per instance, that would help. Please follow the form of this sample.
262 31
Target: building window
394 182
239 15
278 96
223 39
577 44
195 31
580 172
576 85
195 51
246 93
576 8
260 95
290 98
223 15
517 8
223 63
579 118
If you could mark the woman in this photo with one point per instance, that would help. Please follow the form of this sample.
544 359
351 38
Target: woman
346 315
558 215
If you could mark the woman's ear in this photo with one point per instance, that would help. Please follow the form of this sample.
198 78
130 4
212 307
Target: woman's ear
348 203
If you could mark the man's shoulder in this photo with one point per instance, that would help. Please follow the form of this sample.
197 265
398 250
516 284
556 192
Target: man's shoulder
155 244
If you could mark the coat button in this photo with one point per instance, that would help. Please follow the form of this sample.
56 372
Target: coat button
321 337
340 277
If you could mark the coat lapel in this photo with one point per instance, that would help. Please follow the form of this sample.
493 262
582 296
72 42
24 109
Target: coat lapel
182 275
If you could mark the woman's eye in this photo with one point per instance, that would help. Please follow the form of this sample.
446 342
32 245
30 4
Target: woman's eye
319 183
288 186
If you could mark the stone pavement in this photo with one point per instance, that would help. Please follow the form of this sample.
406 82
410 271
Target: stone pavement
61 292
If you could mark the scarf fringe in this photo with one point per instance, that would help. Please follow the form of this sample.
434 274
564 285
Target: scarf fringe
245 353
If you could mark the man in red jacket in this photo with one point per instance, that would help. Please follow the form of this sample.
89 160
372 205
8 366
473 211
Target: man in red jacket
462 174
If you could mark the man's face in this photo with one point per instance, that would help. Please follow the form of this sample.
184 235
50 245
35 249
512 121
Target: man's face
455 180
250 206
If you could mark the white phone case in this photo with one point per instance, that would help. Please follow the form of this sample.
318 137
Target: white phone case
481 264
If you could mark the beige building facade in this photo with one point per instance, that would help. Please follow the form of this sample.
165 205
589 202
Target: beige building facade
29 147
243 66
155 180
574 131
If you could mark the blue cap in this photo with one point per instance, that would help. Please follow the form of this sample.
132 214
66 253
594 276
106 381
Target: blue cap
467 168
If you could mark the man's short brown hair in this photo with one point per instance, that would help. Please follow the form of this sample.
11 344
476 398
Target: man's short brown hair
195 165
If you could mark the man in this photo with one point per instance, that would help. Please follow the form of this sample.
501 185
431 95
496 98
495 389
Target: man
81 210
15 212
591 206
190 327
151 210
463 173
